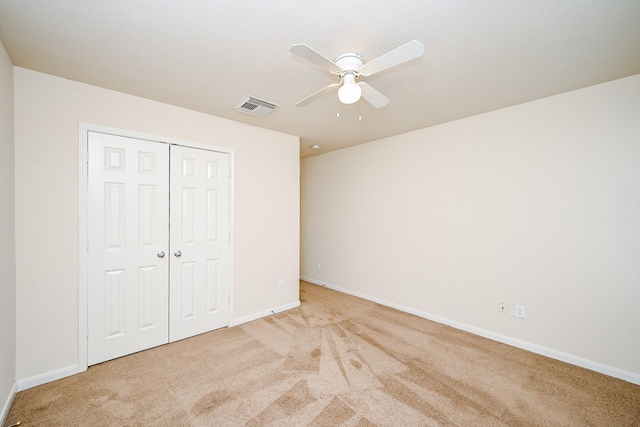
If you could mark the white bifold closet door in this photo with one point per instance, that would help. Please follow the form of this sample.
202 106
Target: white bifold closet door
159 266
200 242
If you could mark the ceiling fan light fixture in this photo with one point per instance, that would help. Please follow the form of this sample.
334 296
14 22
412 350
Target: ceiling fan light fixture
349 92
349 66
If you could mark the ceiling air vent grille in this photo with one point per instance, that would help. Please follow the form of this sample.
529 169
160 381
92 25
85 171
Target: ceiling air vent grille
255 106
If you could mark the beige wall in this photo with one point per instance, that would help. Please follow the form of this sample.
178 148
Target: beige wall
48 111
538 204
7 241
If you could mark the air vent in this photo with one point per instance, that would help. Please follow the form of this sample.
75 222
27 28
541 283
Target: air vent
255 106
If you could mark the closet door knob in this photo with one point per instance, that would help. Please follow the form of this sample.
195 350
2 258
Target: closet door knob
177 253
161 254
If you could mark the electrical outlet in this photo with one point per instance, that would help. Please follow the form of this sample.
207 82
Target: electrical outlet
520 311
502 306
280 285
318 265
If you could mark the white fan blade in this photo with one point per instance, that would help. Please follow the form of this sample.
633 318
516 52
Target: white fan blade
309 99
304 51
372 95
405 53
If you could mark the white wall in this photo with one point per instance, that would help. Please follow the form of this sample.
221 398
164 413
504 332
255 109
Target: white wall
47 114
7 240
537 204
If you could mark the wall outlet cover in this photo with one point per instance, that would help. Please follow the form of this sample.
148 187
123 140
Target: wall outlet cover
502 306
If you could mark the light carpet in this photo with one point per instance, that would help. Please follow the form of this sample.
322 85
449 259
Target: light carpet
336 360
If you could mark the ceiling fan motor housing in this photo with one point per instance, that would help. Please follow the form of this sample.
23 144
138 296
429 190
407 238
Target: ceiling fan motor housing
350 62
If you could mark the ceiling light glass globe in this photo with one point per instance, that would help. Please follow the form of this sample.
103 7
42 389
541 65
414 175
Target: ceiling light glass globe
349 92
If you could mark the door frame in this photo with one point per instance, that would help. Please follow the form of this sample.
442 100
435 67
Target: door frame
83 303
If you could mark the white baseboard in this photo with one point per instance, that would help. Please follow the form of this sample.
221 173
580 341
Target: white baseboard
265 313
7 404
611 371
47 377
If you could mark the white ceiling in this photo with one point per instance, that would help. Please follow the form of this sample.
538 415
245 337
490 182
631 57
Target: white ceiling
206 55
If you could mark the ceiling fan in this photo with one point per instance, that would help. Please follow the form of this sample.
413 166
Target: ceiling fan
350 66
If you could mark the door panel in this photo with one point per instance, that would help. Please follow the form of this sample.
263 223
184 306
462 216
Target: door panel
143 195
201 274
127 226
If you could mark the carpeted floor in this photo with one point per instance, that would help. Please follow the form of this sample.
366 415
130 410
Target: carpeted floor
335 361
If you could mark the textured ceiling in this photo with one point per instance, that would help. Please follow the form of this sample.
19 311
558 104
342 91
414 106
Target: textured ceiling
206 55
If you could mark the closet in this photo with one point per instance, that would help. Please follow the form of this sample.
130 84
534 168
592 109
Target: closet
158 250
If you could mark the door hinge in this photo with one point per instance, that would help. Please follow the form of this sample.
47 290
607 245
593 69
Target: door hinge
229 236
228 299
